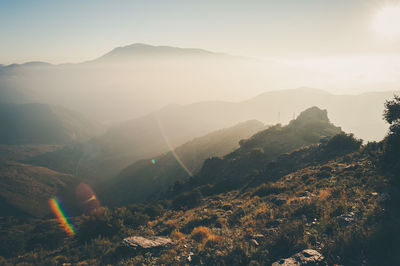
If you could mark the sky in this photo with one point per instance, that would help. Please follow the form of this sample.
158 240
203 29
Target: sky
75 31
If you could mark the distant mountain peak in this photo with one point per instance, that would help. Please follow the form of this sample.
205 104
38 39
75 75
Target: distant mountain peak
28 64
145 51
141 50
313 114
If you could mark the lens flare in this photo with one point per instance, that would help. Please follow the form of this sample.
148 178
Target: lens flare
153 161
387 21
59 212
86 198
172 150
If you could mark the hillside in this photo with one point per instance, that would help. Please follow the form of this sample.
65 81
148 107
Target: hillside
332 202
104 156
259 151
42 124
134 80
146 178
305 191
333 213
25 189
149 135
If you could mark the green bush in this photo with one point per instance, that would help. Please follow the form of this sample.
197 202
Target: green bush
343 143
188 199
267 189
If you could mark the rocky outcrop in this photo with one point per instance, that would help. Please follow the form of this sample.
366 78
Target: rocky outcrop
306 257
146 243
346 219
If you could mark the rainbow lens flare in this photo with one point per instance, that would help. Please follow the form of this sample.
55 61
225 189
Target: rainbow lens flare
56 207
172 150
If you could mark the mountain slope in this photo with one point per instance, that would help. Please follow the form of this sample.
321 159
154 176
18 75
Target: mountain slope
259 152
130 81
145 178
334 204
147 136
139 51
25 189
42 124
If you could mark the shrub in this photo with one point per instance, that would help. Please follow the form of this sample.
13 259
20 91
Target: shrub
201 234
100 223
310 210
154 210
343 143
187 199
323 174
267 189
200 221
391 147
177 235
212 240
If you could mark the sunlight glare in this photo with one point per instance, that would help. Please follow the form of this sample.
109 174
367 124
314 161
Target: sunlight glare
387 21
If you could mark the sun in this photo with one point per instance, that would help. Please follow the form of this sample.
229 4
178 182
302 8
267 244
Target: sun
387 21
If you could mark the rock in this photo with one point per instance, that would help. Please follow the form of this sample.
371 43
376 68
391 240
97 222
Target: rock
146 243
351 167
189 258
346 219
305 257
275 222
258 236
306 194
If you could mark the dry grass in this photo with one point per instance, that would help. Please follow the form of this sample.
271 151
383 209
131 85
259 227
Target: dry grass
201 233
212 240
176 235
324 194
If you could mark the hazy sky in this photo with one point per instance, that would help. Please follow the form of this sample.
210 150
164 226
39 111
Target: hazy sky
74 31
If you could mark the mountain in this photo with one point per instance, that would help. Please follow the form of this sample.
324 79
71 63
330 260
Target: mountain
145 178
283 196
42 124
162 130
258 151
133 80
140 51
25 189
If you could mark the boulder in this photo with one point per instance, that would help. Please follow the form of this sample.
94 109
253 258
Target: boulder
146 243
258 236
305 257
346 219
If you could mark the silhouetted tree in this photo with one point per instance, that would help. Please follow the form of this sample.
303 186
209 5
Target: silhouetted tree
391 154
343 143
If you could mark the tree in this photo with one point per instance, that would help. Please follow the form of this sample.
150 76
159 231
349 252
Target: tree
343 143
391 152
392 114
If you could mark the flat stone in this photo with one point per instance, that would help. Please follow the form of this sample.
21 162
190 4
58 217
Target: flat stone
346 219
305 257
258 236
146 243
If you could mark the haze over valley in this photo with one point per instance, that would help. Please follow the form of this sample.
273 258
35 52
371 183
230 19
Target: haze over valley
199 132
